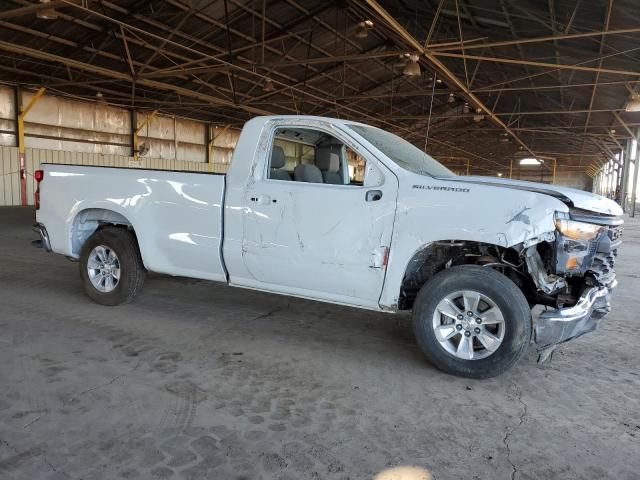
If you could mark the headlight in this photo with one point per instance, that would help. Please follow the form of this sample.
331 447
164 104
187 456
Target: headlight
577 230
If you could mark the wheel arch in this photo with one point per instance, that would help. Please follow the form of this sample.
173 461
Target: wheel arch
436 256
88 220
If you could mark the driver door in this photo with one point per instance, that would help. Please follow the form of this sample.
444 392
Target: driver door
320 240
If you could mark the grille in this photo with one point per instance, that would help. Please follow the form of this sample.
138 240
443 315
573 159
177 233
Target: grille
615 233
602 267
603 263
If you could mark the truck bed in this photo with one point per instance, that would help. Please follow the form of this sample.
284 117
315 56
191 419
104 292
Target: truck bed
177 214
135 168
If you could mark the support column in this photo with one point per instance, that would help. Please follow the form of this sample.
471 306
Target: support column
623 161
634 186
17 95
207 143
133 119
175 137
136 130
213 136
625 175
22 156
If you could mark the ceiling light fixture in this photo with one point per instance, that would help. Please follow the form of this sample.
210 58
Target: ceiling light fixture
633 105
412 68
499 174
452 98
268 85
465 108
530 161
47 13
363 29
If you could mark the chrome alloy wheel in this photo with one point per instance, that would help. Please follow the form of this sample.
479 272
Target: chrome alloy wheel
103 268
468 325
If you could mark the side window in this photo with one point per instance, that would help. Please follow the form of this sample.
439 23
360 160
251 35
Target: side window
314 156
357 167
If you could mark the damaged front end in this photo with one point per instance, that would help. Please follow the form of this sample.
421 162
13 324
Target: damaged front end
574 276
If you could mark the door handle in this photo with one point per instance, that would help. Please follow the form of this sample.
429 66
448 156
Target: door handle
262 199
373 195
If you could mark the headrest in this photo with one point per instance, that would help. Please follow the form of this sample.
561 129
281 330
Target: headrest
327 161
307 173
277 157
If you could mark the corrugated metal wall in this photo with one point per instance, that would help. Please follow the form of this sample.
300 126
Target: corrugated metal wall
61 130
9 167
7 117
579 180
10 175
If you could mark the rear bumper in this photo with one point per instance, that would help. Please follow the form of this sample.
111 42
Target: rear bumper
44 241
563 324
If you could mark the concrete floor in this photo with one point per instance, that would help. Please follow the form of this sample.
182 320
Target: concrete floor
197 380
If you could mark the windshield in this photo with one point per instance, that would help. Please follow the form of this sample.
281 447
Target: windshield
403 153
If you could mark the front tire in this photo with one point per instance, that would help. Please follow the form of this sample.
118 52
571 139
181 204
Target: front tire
110 266
472 321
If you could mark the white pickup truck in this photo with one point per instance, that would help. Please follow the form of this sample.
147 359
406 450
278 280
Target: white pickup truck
342 212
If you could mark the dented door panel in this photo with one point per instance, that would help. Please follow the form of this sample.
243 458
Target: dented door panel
315 240
320 238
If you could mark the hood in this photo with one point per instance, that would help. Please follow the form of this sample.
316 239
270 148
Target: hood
571 196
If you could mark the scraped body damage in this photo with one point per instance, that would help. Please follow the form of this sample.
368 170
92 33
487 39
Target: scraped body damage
311 243
431 210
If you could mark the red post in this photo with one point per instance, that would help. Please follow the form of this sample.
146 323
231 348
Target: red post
23 179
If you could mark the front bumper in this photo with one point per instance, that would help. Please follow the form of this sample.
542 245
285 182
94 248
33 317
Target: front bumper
559 325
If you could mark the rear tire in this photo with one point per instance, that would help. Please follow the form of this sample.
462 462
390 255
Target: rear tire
111 267
497 332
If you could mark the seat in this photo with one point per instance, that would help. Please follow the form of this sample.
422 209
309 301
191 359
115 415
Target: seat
329 164
307 173
277 162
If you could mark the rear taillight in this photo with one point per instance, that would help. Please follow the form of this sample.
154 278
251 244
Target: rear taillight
38 175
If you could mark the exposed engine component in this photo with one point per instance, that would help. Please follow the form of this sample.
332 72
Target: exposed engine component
548 283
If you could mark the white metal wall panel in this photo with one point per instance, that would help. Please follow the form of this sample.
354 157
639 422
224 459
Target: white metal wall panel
173 138
10 179
7 117
74 125
191 140
15 177
65 120
224 142
577 180
158 133
5 176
